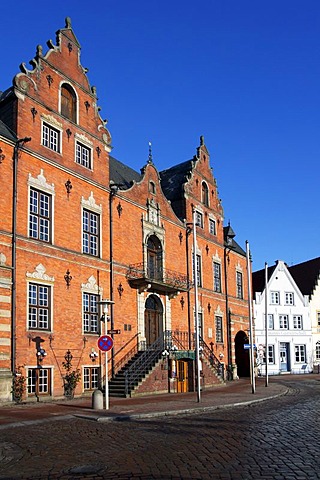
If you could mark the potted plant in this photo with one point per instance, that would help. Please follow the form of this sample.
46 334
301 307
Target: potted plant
72 376
18 385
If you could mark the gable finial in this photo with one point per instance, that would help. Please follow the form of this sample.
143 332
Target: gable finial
68 22
201 141
150 153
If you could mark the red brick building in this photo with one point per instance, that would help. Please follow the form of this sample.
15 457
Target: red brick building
78 226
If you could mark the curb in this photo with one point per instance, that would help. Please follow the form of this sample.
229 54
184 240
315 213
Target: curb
172 413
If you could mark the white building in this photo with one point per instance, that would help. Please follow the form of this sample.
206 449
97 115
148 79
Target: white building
289 335
307 277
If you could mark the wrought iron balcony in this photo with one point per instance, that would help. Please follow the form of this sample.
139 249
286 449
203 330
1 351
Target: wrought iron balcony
158 280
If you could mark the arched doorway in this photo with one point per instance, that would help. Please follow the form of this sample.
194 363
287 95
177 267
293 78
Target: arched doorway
242 355
154 258
153 318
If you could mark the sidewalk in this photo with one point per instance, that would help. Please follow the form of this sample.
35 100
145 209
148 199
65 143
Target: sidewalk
238 392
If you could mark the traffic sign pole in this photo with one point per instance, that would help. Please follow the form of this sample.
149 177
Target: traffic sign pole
105 343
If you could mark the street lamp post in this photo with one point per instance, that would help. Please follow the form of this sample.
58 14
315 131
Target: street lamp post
253 385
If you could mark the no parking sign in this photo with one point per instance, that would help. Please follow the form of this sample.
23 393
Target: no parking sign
105 343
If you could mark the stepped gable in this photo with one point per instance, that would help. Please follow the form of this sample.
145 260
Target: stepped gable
306 275
37 88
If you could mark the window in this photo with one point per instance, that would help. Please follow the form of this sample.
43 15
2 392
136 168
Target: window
39 380
212 227
39 307
91 232
205 194
297 322
317 351
90 313
239 285
216 277
300 353
318 319
152 187
275 298
83 155
199 219
283 322
90 378
154 258
68 102
270 321
40 215
289 298
50 137
270 353
219 329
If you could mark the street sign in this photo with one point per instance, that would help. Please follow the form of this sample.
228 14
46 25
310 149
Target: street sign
247 346
105 343
113 332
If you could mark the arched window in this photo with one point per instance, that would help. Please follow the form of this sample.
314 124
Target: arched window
154 258
68 103
205 194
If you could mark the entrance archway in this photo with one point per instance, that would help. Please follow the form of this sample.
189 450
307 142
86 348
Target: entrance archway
242 355
153 319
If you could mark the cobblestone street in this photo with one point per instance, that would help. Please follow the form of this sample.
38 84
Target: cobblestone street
274 439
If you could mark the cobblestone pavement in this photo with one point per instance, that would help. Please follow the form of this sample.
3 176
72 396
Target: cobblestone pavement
275 439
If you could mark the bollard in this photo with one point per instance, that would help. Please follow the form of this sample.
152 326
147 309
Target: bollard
97 400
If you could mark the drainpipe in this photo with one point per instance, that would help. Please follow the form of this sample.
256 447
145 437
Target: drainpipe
229 347
113 191
18 146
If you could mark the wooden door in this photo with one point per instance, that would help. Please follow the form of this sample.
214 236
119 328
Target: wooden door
182 376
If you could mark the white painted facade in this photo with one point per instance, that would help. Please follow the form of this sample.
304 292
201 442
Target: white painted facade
315 326
289 334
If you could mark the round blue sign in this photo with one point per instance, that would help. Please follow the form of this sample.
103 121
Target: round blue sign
105 343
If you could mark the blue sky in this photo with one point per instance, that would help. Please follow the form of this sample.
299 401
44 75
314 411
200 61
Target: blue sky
243 73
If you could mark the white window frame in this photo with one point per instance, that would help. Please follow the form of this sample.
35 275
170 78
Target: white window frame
216 288
41 185
90 315
40 215
84 161
239 285
271 356
218 326
289 298
91 206
283 322
212 226
297 322
275 298
44 381
318 351
40 307
91 377
52 125
270 321
199 219
300 353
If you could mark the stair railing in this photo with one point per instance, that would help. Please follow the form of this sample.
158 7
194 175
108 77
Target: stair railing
143 364
123 360
212 359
